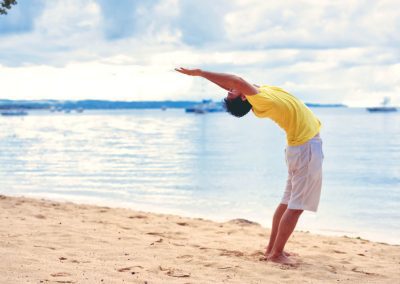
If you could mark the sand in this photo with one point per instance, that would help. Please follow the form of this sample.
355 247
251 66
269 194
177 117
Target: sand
44 241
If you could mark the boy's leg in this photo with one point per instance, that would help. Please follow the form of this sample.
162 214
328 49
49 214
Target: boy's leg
275 225
286 227
302 192
278 214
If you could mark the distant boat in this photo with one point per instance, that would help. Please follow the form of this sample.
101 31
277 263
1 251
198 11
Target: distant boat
381 109
55 109
14 112
204 107
384 107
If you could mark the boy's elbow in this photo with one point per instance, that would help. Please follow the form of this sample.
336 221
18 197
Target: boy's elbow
239 83
244 87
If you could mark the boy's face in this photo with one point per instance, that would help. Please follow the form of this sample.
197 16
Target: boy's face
233 94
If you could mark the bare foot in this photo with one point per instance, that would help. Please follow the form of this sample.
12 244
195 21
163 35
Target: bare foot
282 259
285 253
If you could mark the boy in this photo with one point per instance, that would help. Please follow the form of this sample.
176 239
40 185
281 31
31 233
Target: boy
303 151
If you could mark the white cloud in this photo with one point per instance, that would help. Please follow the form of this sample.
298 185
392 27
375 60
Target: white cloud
323 51
62 19
314 23
92 80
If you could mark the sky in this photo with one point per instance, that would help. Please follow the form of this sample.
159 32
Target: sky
320 51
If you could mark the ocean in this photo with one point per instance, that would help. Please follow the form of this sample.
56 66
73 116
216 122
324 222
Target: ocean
211 166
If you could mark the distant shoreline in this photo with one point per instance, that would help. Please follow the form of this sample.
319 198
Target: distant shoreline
104 104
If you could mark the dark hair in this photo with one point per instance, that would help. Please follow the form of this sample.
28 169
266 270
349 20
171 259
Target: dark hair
237 107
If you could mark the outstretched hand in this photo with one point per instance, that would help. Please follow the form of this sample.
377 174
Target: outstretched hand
190 72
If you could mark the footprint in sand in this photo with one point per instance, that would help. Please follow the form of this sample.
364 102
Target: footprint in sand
243 222
355 269
228 267
257 253
344 262
225 252
185 256
103 211
156 234
287 266
126 269
45 247
174 272
332 269
61 274
158 241
138 217
329 242
124 228
40 216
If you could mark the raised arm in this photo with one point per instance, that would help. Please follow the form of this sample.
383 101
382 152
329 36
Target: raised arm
226 81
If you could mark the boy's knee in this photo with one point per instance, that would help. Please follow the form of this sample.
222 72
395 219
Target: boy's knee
295 212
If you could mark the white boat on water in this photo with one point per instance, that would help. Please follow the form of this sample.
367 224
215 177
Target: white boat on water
205 106
14 112
384 107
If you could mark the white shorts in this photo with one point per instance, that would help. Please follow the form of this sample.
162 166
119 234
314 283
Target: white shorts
303 188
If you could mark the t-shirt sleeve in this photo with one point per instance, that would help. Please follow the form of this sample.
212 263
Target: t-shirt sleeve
260 102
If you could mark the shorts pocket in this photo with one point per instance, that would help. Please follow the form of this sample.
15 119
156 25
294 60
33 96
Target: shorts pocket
317 155
297 157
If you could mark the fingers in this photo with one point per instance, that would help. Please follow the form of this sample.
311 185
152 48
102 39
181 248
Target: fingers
191 72
182 70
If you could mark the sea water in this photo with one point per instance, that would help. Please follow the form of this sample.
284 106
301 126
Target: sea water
210 165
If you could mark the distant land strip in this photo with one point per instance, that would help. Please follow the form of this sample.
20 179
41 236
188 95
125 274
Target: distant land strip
103 104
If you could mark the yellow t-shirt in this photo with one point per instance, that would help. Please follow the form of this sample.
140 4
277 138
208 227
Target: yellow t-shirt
291 114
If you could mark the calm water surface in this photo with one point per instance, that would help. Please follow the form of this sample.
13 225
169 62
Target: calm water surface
213 166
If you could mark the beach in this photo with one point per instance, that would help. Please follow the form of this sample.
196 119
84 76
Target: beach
44 241
178 163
